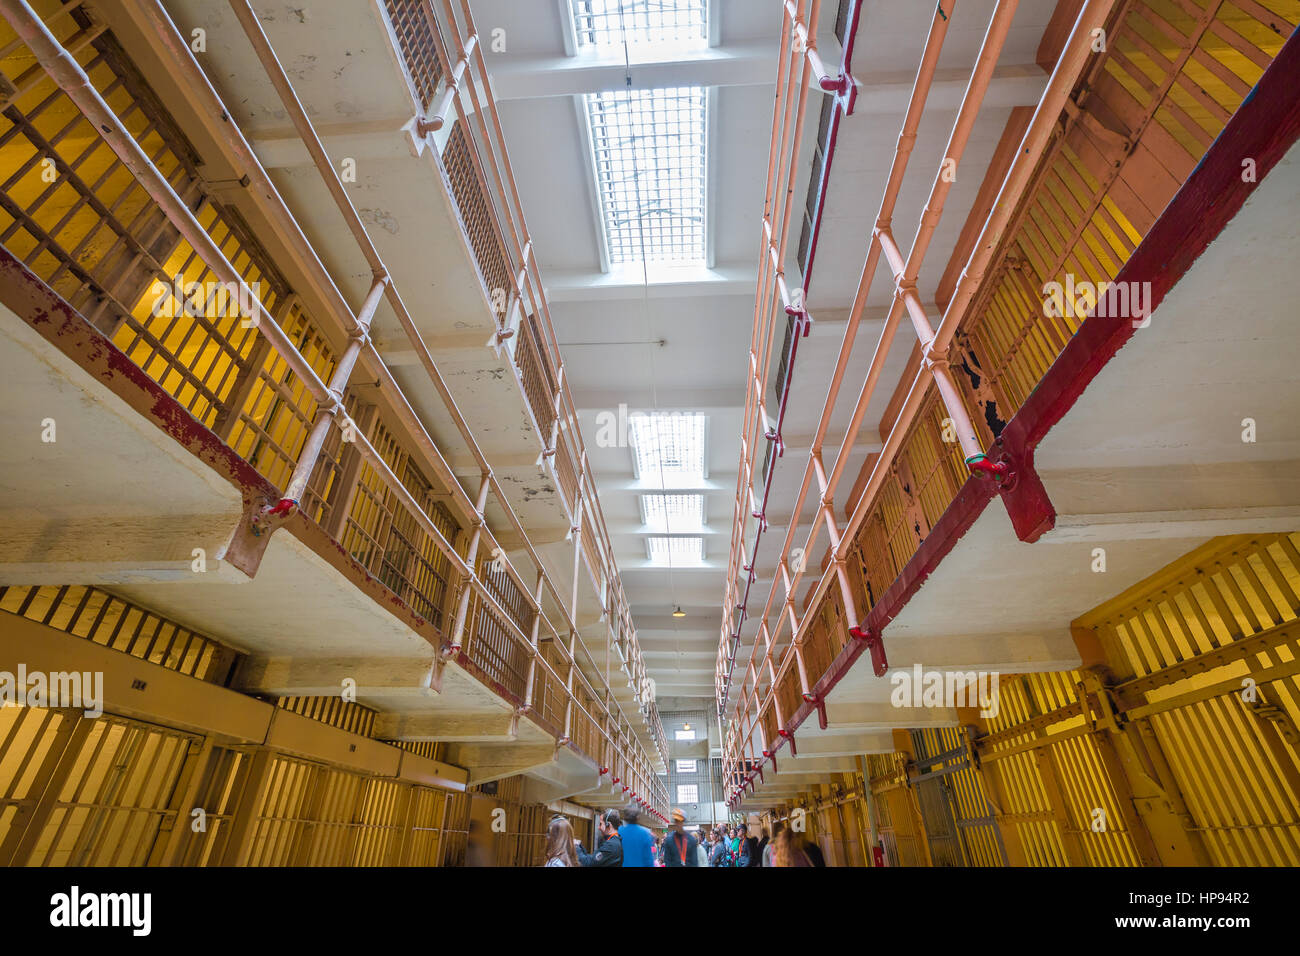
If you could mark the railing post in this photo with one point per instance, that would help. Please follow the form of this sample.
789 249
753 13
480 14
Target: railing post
471 555
450 90
307 458
532 661
833 532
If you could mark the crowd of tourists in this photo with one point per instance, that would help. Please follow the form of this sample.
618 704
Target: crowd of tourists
622 841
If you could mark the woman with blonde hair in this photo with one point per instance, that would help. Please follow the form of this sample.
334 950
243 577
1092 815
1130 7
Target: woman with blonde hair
787 851
559 844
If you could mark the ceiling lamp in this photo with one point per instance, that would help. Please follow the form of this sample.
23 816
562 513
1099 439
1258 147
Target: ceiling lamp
678 612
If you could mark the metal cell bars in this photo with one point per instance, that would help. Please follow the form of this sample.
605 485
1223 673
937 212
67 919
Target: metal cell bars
898 818
935 340
1049 778
352 503
334 711
952 791
605 24
32 740
73 214
221 783
1168 84
650 161
114 793
447 30
1208 661
215 255
476 214
313 815
106 619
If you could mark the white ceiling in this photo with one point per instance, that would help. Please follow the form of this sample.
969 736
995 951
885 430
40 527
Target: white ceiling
680 342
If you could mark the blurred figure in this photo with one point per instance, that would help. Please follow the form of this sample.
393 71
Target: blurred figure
638 842
609 852
789 850
701 854
559 844
771 846
757 857
814 853
679 846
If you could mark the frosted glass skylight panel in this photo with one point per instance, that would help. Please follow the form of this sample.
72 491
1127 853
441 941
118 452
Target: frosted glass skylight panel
675 552
673 513
649 155
608 23
668 448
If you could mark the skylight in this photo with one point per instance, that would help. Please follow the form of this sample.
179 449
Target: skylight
673 513
649 151
675 552
608 23
668 448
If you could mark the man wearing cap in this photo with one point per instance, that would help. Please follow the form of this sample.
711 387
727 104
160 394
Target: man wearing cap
679 846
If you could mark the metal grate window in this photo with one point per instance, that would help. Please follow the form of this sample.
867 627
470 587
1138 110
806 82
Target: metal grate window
673 513
669 448
650 161
675 552
611 23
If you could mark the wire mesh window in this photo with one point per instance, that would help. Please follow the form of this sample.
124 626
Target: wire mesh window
673 513
611 23
650 160
669 448
683 552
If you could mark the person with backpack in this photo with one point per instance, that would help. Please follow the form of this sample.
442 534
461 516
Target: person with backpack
719 855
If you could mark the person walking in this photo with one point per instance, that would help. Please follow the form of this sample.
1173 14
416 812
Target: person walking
718 855
610 850
679 846
768 850
789 850
638 842
753 852
559 844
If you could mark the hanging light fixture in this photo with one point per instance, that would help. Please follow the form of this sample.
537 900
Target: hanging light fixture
678 612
